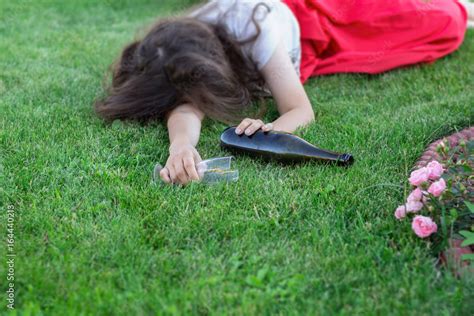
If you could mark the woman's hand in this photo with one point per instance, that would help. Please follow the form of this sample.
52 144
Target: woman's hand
249 127
181 165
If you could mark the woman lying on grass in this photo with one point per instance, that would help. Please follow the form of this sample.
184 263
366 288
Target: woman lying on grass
226 53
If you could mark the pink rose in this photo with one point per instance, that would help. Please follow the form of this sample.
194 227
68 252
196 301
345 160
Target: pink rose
423 226
415 195
419 176
437 188
400 212
414 206
435 170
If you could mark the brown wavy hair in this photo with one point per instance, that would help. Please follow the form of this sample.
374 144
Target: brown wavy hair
182 60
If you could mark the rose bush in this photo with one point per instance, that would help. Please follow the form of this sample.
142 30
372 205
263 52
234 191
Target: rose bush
442 200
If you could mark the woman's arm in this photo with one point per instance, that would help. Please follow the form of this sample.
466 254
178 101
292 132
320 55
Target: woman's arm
292 102
184 126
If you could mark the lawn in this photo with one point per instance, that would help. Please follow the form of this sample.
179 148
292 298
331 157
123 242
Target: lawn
94 236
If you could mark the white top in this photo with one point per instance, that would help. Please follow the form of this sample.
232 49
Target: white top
277 25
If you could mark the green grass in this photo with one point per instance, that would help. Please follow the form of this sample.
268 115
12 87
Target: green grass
93 236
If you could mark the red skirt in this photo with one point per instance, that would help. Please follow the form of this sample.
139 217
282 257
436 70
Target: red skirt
373 36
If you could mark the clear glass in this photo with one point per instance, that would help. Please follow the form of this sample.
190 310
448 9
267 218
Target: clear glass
221 176
220 163
156 173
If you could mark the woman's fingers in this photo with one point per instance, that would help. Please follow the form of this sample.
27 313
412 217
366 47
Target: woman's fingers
181 167
249 127
165 175
184 170
252 128
197 157
243 126
267 127
190 167
172 174
175 175
181 174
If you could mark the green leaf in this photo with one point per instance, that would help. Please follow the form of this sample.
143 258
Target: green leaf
467 169
470 206
469 238
254 281
455 190
468 256
453 213
262 273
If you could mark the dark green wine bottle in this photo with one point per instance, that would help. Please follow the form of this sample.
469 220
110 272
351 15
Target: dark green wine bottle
279 146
